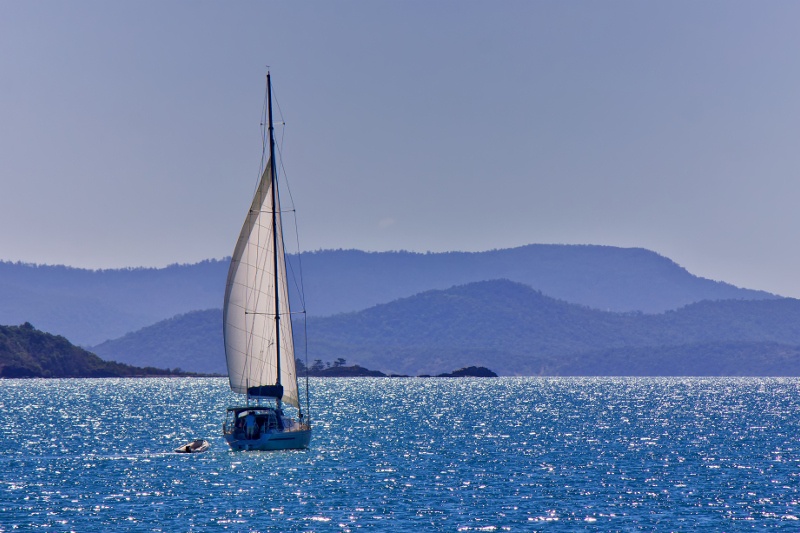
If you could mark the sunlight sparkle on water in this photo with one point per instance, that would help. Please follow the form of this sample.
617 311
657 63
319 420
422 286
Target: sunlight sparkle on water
503 454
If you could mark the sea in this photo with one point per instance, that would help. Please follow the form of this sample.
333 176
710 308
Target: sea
408 454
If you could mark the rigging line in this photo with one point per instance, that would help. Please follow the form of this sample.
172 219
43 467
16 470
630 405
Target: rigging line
282 122
296 232
277 103
280 145
299 286
301 291
305 334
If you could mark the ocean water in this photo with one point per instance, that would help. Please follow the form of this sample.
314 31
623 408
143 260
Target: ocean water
505 454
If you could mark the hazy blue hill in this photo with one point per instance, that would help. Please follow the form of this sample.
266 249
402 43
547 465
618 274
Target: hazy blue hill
498 315
730 320
602 277
90 306
516 330
84 317
26 352
732 358
189 341
508 327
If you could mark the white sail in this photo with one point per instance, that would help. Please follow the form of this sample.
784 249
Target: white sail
249 324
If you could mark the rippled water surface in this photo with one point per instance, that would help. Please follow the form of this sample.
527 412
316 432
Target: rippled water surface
506 454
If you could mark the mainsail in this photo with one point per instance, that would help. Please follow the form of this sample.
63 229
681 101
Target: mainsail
249 314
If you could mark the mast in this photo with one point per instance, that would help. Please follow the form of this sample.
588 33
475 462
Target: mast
274 189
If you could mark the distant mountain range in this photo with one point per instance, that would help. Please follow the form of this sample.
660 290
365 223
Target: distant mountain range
91 306
513 329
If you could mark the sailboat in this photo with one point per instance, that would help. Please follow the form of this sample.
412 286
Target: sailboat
257 326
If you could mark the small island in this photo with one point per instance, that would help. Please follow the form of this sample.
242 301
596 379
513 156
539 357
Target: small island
339 369
470 372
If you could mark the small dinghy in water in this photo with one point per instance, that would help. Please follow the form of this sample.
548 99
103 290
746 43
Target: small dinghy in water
196 446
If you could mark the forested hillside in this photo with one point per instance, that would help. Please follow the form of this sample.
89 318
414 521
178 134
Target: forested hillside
26 352
514 330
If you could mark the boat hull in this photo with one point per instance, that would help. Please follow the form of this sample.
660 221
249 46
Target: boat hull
276 440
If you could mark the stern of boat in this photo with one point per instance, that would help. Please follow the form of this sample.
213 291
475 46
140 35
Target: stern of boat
269 430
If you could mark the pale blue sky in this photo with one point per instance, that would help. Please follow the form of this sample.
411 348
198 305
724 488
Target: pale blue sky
129 131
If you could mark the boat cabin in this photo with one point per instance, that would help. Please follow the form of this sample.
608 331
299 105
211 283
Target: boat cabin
250 422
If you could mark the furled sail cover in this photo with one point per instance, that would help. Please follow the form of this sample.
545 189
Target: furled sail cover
249 311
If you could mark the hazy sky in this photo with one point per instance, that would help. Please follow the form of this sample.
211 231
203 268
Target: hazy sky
129 131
